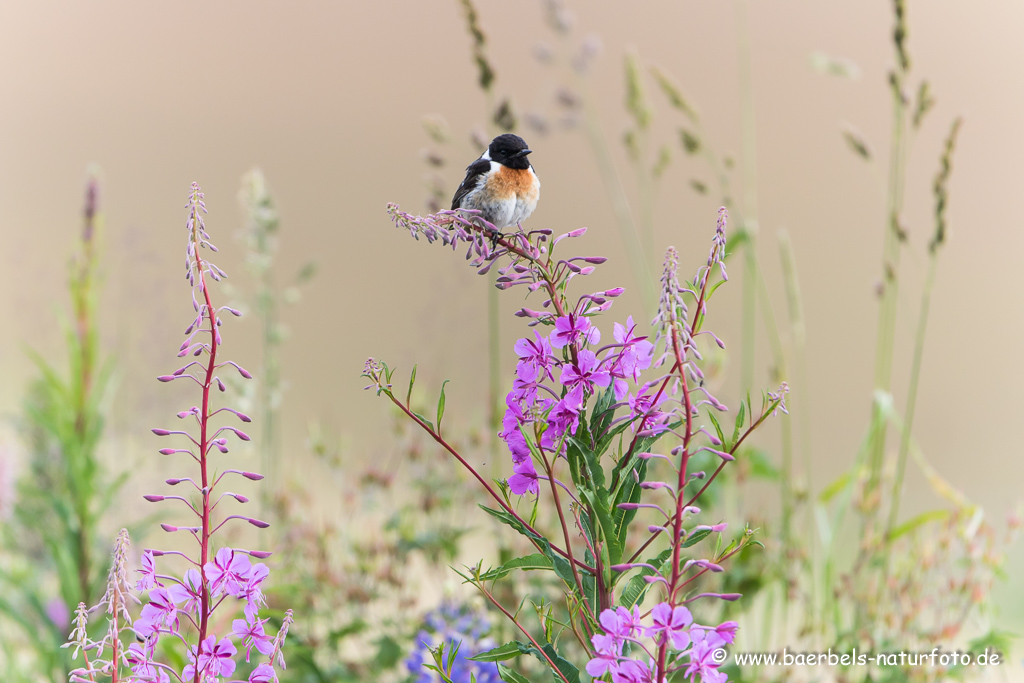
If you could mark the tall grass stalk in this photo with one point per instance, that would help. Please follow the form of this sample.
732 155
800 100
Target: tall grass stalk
938 240
895 236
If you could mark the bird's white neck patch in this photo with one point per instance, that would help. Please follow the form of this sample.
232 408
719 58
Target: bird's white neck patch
487 154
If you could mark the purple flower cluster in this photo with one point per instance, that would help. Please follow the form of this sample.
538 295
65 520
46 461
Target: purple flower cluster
692 647
454 624
180 608
550 390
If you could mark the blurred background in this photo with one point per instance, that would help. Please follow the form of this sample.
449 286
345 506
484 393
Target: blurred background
788 100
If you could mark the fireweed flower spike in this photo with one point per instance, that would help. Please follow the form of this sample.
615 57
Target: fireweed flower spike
179 610
583 426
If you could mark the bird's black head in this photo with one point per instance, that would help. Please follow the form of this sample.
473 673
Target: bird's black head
510 150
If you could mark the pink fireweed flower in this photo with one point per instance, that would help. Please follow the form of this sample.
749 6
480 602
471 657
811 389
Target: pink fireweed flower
572 329
629 622
637 352
587 372
566 413
537 353
702 657
159 613
642 403
633 671
671 624
525 385
148 571
524 479
252 593
215 659
608 649
228 572
189 591
726 631
251 634
264 673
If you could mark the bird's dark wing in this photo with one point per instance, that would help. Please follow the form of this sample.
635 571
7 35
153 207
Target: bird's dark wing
473 173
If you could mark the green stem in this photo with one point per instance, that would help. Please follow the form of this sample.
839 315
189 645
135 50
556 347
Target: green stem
890 283
915 374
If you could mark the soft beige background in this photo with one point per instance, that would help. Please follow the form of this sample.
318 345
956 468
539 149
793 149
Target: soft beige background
327 97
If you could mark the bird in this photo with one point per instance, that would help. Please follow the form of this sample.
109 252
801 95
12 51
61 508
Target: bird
501 184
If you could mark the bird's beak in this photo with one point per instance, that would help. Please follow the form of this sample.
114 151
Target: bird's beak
521 153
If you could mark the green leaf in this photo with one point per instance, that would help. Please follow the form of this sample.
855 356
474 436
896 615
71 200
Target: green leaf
741 414
412 380
590 462
440 404
515 648
601 413
558 563
718 427
695 538
525 563
917 521
713 288
570 672
636 588
598 501
510 676
501 653
425 420
629 492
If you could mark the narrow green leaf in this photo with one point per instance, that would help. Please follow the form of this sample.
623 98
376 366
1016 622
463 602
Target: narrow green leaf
695 538
570 672
917 521
629 492
741 415
526 563
590 462
412 380
558 563
501 653
718 427
425 420
598 501
510 676
440 404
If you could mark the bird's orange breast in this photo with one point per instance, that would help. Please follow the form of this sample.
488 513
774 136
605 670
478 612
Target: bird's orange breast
511 182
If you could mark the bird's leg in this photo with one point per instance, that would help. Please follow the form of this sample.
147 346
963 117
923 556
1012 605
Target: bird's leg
496 236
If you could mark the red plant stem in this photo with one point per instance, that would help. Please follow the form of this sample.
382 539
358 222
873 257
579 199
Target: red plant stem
550 468
483 482
85 655
526 633
689 420
204 545
114 676
721 466
677 523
